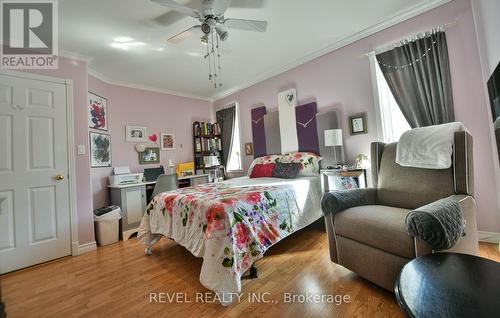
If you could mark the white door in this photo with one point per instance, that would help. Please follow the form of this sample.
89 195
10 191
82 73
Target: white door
34 189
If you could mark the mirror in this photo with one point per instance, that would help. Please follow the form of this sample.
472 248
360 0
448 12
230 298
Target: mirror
494 92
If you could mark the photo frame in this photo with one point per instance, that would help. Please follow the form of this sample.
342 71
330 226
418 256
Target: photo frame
249 149
150 155
135 134
100 150
167 141
358 124
97 112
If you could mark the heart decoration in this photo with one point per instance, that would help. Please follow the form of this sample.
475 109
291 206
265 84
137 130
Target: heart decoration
289 98
153 138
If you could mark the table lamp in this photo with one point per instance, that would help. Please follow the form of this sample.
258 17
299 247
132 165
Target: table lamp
333 138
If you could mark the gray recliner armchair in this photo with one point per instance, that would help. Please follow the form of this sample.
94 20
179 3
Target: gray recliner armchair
371 239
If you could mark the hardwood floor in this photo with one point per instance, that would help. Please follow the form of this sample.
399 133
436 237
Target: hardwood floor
116 281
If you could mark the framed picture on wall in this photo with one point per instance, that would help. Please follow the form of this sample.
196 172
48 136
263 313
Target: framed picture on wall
97 111
358 124
150 155
167 141
100 150
249 149
135 134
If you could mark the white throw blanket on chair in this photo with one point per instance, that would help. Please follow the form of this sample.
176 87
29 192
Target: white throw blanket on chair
428 147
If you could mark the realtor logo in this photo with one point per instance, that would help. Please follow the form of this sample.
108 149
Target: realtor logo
29 35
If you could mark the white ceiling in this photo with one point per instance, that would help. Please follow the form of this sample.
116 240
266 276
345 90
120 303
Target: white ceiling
298 30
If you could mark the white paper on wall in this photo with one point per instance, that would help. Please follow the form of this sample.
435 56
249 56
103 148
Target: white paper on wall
287 101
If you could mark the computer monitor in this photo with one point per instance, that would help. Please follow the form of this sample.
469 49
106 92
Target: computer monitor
151 174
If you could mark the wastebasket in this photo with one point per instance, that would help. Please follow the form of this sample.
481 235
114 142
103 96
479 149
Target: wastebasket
107 225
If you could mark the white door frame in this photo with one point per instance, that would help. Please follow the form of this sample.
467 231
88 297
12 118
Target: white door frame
70 120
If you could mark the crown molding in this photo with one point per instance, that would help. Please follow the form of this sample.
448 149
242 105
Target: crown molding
111 81
389 22
75 56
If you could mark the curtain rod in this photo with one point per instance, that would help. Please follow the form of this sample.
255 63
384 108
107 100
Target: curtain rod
409 38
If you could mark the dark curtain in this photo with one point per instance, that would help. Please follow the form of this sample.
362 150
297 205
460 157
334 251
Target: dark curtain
418 74
226 118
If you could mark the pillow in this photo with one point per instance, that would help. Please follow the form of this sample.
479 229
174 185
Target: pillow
262 160
286 170
262 170
309 162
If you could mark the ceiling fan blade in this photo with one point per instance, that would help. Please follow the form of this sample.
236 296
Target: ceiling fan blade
247 25
169 18
184 34
246 4
217 7
174 5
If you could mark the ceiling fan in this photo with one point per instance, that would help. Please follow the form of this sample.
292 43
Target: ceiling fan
214 27
211 17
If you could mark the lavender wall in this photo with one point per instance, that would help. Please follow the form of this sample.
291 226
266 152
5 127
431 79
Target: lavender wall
159 113
487 26
77 71
342 80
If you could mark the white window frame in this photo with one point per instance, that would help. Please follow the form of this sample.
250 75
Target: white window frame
376 97
238 118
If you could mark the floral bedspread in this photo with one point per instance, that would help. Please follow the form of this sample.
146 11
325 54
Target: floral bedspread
230 227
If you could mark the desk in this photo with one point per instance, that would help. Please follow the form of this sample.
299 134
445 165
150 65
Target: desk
190 181
133 198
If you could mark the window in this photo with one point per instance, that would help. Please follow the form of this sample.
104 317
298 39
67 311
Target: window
393 123
234 163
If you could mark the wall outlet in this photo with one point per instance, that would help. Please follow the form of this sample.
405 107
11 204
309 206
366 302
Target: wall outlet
81 149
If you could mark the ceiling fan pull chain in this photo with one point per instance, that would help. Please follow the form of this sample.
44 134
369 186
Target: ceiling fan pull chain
209 63
213 59
218 61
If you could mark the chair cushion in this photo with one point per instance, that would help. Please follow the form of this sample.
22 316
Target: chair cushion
379 226
409 187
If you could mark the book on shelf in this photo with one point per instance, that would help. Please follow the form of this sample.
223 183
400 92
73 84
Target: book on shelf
198 147
206 129
208 145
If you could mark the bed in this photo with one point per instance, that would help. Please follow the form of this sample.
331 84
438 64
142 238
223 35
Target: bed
231 224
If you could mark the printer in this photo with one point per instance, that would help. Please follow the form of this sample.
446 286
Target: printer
123 176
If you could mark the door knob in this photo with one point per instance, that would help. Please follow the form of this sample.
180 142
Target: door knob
59 177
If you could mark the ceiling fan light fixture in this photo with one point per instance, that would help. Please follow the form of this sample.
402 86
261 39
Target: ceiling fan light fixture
204 39
206 28
215 28
222 32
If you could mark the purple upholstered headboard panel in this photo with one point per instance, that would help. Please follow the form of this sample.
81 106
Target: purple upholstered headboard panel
258 131
307 131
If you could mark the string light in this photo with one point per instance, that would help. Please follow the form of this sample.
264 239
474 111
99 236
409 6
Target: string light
412 63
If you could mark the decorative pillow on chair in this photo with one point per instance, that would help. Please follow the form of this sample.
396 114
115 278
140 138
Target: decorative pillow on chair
262 170
308 161
286 170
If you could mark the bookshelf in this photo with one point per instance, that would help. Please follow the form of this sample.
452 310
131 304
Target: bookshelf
207 144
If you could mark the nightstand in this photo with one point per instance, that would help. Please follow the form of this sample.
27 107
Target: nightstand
342 179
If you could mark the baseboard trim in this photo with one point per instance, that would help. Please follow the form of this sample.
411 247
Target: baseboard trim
87 247
488 237
74 248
